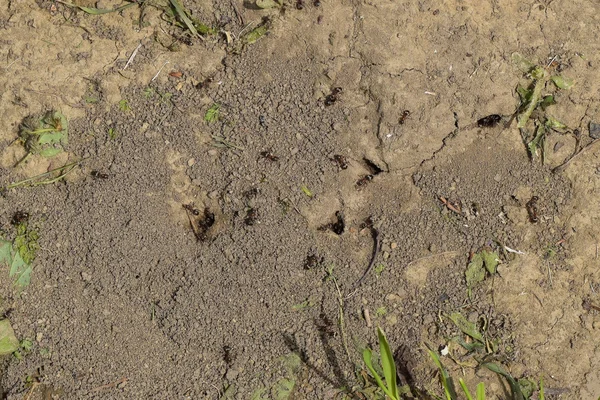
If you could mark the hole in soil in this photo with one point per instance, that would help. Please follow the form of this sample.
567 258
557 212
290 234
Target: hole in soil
337 227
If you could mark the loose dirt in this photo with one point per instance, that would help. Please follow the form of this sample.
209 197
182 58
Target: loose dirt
201 259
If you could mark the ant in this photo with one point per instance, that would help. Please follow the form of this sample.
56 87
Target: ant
362 182
19 217
99 175
251 217
313 261
532 209
341 161
333 96
269 156
490 121
190 207
403 117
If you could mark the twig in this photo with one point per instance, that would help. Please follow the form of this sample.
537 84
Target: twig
367 317
371 263
450 206
110 385
34 385
513 250
132 56
562 166
445 253
237 12
33 178
159 71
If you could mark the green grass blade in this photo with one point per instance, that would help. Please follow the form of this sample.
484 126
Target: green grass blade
98 11
481 391
388 364
182 14
542 388
464 388
517 394
445 377
367 355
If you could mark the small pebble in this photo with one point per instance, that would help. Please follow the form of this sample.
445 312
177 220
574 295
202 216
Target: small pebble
191 162
394 245
212 152
557 146
594 130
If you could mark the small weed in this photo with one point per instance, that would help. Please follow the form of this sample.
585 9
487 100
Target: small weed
379 269
112 133
213 113
550 252
381 312
181 17
219 141
24 348
45 353
304 305
20 253
532 117
124 105
149 92
46 136
485 260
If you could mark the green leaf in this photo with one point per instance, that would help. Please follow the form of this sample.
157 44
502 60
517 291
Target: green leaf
183 16
255 34
212 114
490 260
561 82
514 386
523 64
50 138
6 252
464 388
367 356
447 383
388 364
481 391
283 389
538 73
50 152
8 341
306 191
468 346
553 123
466 326
475 272
524 94
124 105
21 270
527 387
17 265
547 101
24 278
541 395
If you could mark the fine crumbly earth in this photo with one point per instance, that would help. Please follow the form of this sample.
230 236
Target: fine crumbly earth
127 301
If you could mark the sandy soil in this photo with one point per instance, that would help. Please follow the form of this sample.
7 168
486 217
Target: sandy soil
289 190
